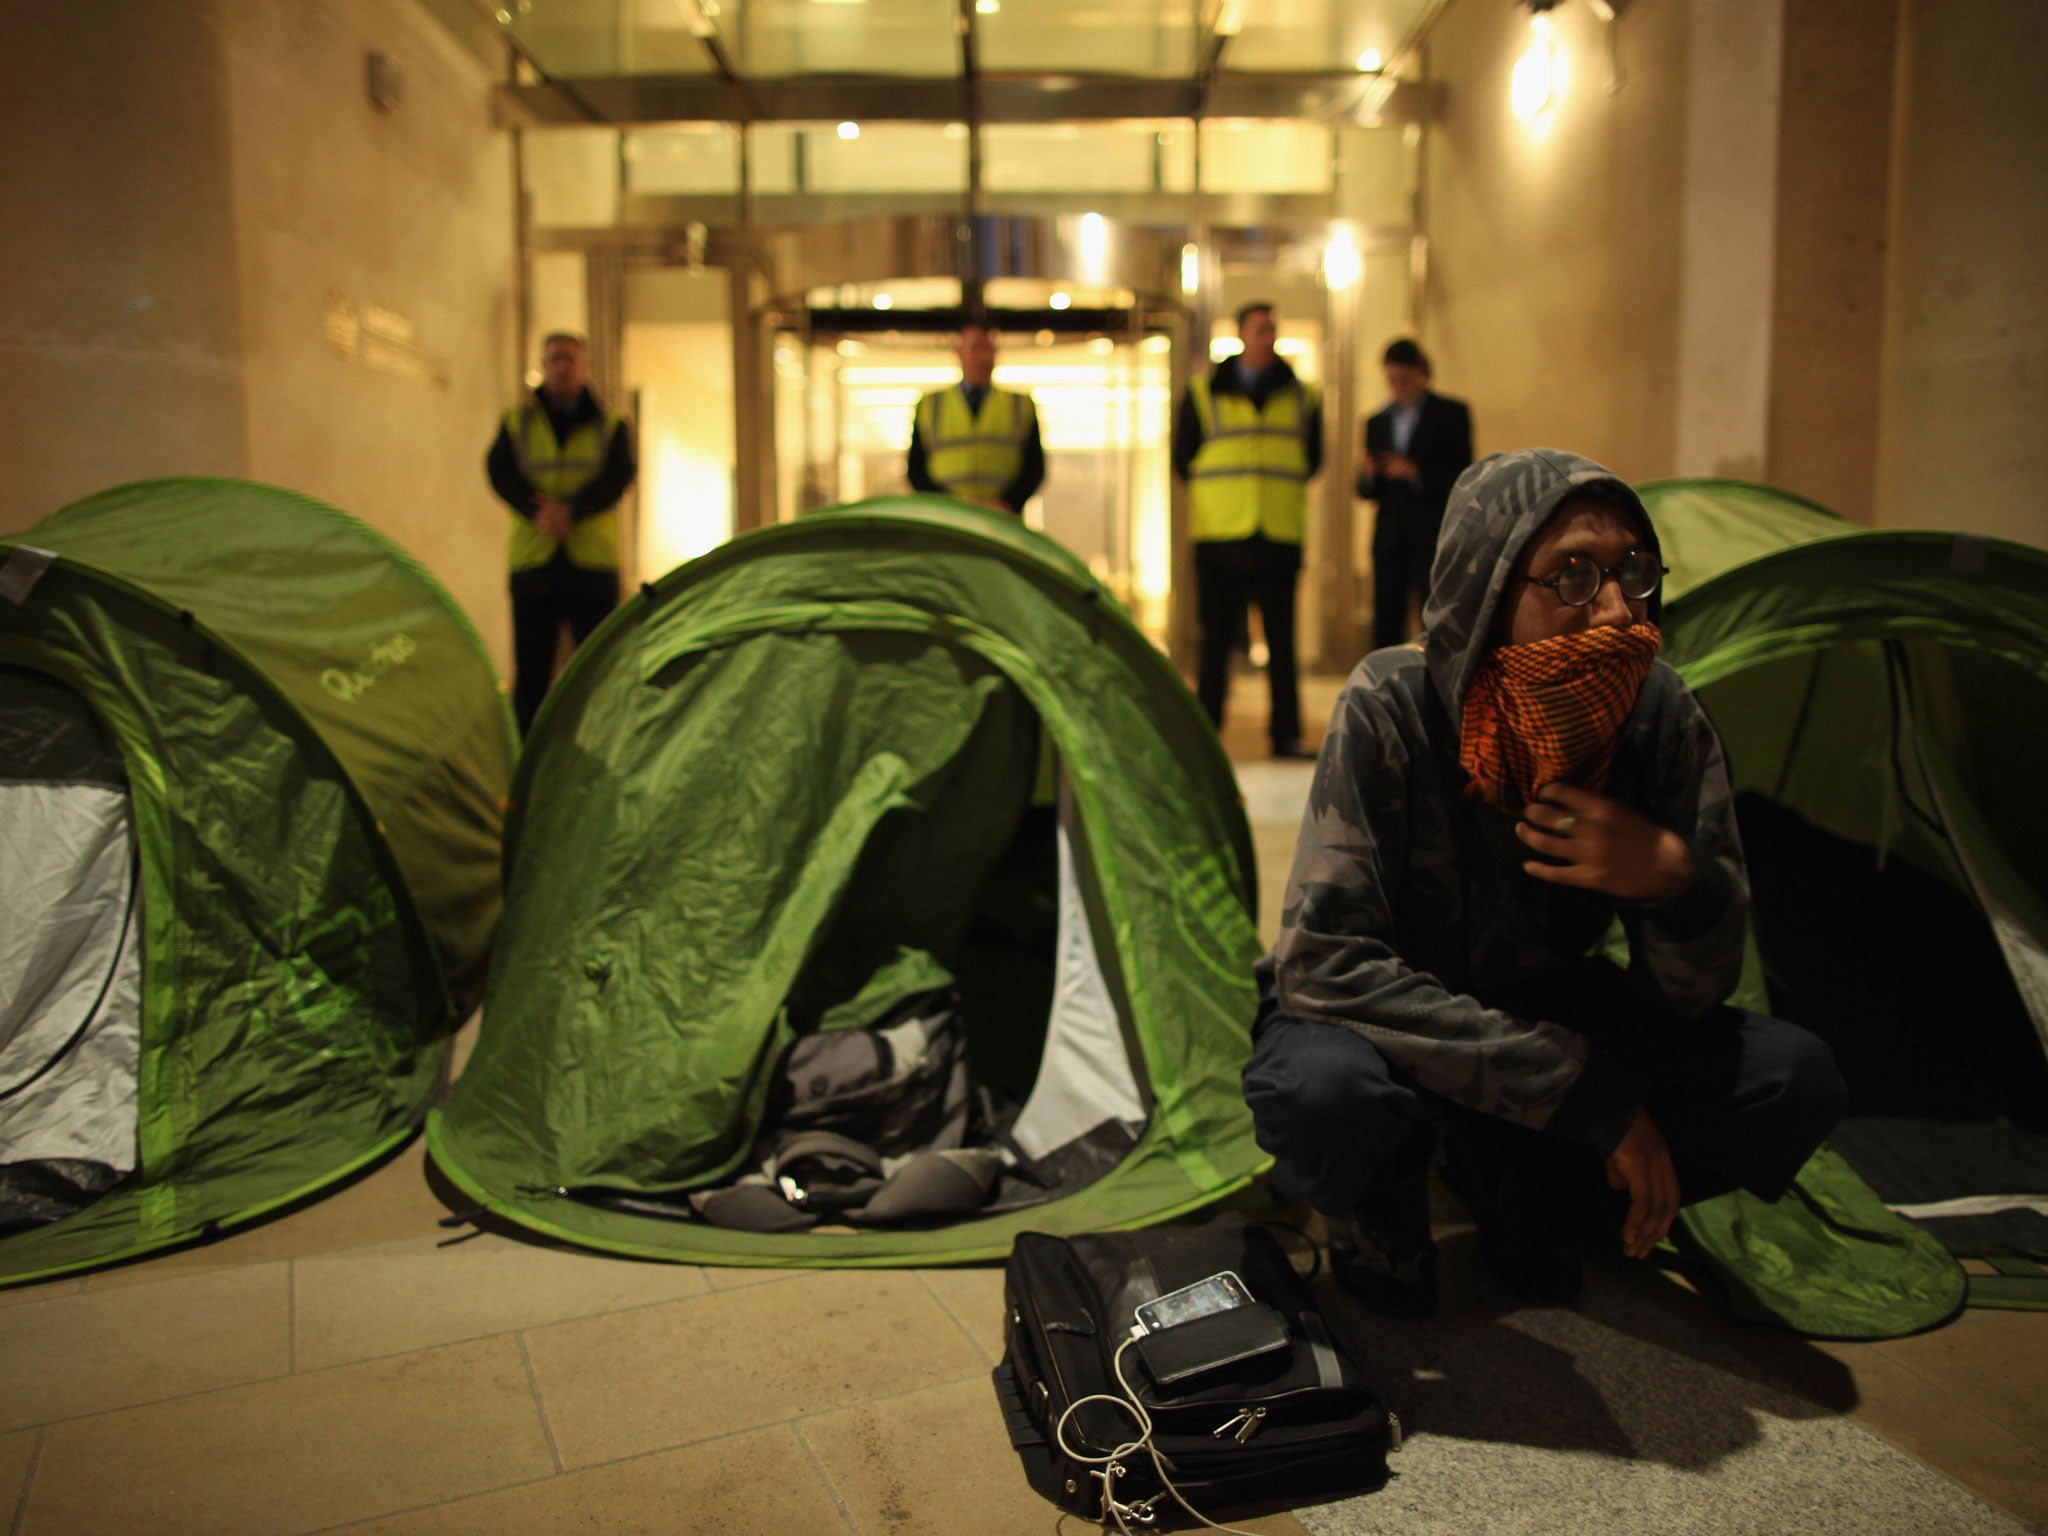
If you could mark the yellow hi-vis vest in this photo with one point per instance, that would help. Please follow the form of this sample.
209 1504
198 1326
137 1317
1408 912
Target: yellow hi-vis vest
561 469
1251 473
974 453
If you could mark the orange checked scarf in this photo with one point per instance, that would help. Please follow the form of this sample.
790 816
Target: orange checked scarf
1551 711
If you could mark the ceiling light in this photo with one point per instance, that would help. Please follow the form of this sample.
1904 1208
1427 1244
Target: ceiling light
1190 268
883 301
1061 300
1370 61
849 130
987 7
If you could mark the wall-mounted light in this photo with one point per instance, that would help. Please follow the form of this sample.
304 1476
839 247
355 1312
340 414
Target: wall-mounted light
1536 82
1369 62
849 130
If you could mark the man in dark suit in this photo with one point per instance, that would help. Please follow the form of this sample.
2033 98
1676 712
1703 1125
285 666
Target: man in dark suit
1415 450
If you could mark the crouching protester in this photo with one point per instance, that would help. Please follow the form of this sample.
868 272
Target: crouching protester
1482 810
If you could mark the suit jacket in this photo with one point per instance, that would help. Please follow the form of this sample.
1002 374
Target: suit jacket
1441 449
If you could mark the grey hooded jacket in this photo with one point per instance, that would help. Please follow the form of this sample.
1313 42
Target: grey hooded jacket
1407 898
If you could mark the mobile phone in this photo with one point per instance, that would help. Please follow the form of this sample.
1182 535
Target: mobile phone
1220 1292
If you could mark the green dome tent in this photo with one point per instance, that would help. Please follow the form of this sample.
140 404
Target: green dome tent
803 779
1883 698
252 768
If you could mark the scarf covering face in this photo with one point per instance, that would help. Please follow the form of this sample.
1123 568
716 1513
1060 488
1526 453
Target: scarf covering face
1551 711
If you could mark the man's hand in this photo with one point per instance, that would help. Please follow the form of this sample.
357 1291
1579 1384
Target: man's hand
1605 846
1397 466
1642 1166
551 515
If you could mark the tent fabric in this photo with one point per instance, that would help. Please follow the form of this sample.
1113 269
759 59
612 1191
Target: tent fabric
1886 689
765 797
69 939
364 643
295 1007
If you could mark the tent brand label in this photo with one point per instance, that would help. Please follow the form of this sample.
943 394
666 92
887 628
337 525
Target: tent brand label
350 683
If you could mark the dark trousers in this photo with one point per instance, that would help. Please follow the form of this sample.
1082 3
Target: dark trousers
1403 548
1741 1099
1231 574
543 601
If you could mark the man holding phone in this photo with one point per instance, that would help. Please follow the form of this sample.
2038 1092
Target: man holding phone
1415 449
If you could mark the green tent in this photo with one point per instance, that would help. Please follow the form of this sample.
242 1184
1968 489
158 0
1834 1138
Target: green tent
806 777
1883 698
252 769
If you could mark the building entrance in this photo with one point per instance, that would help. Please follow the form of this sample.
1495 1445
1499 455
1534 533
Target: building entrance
848 379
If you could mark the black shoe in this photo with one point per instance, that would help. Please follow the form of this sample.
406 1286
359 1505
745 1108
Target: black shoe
1383 1254
1292 752
1519 1217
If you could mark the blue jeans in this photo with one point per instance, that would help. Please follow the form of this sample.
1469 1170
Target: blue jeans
1742 1099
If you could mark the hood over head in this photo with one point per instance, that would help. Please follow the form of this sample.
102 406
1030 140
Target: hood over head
1496 508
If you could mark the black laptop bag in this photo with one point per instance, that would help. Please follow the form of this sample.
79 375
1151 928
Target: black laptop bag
1293 1421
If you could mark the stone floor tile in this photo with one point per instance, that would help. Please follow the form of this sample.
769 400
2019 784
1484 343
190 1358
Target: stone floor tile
1994 1360
18 1295
665 1376
762 1483
410 1295
975 1298
937 1463
89 1353
724 1277
298 1454
391 1201
17 1456
1944 1431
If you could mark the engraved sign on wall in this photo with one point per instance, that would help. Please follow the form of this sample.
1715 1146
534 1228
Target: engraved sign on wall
380 338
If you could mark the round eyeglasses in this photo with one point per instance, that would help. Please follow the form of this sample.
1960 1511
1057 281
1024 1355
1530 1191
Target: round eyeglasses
1580 579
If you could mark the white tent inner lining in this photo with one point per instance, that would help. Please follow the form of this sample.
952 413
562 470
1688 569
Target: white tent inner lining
1084 1074
70 974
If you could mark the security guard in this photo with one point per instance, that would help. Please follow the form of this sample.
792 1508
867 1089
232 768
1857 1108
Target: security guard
1247 441
560 463
975 441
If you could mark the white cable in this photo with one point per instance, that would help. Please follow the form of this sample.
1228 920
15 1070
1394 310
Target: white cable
1111 1463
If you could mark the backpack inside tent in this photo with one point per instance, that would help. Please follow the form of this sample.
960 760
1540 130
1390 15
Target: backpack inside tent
252 762
874 891
1883 699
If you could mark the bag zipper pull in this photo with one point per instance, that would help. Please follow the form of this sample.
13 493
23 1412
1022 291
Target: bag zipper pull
1394 1435
1246 1424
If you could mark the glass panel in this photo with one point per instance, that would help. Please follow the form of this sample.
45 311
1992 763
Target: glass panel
1376 174
891 157
849 37
1115 37
1068 157
771 159
1321 35
580 38
678 367
1242 156
572 177
682 160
